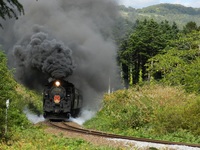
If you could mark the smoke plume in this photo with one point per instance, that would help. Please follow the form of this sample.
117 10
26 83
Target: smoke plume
46 56
64 39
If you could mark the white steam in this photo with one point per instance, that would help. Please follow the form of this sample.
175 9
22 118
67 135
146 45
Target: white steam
33 117
85 115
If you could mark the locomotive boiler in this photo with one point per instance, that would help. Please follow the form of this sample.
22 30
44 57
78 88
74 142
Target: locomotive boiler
61 100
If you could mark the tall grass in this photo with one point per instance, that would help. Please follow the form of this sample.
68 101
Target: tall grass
153 111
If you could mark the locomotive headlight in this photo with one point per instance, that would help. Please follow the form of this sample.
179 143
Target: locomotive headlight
57 83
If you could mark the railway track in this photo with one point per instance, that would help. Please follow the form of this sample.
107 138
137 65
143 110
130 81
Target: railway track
67 127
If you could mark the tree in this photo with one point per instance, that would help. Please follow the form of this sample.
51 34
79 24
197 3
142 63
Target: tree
189 27
179 65
148 39
8 9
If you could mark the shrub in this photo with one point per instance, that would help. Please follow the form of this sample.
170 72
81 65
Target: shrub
149 111
18 96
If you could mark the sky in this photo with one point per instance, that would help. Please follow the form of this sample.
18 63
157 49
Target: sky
145 3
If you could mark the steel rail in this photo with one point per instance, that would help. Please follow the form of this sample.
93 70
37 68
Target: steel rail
65 126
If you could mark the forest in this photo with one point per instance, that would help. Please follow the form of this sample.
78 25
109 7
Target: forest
163 53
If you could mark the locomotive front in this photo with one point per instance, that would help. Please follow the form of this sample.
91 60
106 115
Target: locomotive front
57 100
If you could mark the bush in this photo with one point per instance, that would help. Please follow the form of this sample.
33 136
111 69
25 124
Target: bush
149 111
19 97
129 111
191 114
7 90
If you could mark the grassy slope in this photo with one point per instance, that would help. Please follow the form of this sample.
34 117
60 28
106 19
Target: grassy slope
155 111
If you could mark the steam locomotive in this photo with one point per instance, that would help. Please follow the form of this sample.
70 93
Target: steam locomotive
61 100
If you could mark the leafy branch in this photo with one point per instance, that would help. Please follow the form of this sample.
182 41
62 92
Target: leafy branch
9 9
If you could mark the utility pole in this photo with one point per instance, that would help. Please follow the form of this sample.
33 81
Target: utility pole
7 106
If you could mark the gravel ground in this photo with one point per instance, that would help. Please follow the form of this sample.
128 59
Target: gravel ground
117 143
146 145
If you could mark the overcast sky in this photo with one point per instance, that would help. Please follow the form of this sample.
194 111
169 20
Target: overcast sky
145 3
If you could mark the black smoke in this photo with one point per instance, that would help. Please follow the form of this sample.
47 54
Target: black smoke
69 39
38 57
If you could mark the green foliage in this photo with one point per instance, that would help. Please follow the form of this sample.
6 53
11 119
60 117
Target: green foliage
19 97
26 140
181 116
7 91
179 65
8 9
192 114
119 113
151 111
189 27
148 39
33 99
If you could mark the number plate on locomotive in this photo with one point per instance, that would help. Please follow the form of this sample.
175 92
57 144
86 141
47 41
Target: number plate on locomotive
57 99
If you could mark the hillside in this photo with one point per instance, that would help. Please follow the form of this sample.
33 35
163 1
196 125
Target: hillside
162 12
150 111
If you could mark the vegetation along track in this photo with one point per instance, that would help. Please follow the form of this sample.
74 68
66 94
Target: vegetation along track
67 127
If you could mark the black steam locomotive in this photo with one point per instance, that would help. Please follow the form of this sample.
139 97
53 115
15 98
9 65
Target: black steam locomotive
61 100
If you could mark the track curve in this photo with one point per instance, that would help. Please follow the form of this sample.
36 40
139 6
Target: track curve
67 127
